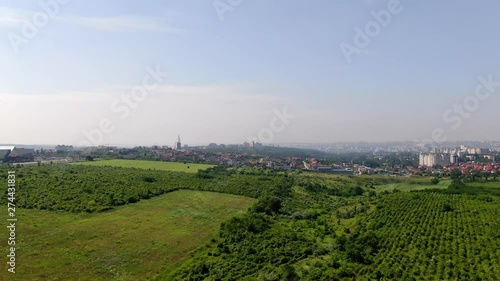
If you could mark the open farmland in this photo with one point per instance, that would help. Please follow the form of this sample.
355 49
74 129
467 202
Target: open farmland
329 228
409 186
153 165
432 236
132 242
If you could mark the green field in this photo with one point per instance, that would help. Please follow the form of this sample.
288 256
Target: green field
133 242
421 239
154 165
408 186
109 222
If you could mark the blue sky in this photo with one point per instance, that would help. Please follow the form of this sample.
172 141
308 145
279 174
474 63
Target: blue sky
228 75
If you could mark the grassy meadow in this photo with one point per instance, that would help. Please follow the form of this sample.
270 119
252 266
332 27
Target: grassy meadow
132 242
154 165
409 186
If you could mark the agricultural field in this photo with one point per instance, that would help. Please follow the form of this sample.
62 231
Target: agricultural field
420 234
133 242
153 165
409 186
485 187
345 185
434 236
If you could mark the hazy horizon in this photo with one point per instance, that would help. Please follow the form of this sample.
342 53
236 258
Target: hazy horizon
305 145
276 72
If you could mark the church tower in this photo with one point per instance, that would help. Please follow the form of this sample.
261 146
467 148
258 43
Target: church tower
178 145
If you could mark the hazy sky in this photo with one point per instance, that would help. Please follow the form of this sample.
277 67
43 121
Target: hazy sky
77 68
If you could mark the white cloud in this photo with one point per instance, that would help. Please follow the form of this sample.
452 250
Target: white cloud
15 18
121 23
12 17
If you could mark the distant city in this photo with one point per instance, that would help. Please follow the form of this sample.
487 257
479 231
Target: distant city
390 158
402 146
335 147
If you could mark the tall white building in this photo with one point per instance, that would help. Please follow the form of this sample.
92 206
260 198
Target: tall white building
431 159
